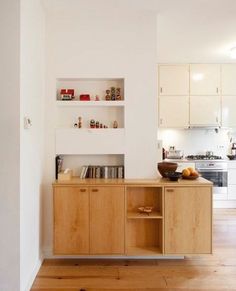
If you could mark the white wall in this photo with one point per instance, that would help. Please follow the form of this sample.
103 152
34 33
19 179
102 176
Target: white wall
86 40
10 146
31 140
198 141
196 31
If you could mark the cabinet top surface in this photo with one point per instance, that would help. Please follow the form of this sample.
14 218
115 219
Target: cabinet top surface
136 182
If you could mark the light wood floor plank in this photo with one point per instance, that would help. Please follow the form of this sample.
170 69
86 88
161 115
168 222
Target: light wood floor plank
208 272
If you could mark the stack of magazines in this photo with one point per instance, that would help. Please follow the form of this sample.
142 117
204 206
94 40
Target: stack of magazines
102 172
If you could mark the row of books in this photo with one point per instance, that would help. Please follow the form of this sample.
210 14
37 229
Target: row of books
102 172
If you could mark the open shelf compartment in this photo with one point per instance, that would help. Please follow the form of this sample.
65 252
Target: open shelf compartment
91 86
144 196
144 237
144 233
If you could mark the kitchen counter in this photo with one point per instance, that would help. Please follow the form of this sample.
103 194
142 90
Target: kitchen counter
122 182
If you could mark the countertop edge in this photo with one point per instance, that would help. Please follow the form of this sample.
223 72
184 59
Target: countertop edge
129 182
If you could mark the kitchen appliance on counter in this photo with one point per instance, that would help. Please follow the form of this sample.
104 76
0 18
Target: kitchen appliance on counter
174 154
216 172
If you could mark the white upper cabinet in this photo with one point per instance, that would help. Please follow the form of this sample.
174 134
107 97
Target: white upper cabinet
173 111
173 80
205 110
228 111
204 79
228 79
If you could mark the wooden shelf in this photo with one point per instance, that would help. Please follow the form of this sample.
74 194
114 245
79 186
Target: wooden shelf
137 215
90 103
143 251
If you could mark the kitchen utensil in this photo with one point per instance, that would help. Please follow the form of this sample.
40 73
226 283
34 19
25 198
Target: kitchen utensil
174 176
175 154
232 157
145 209
165 167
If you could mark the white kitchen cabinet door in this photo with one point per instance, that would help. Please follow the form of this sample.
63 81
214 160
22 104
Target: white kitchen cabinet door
232 177
228 111
231 180
174 111
205 110
173 80
204 79
231 192
228 77
231 183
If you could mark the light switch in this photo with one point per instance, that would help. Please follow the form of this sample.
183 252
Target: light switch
27 122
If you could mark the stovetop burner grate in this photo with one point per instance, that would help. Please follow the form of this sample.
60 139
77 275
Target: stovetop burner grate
203 157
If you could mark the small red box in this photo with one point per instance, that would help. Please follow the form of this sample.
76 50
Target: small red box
84 97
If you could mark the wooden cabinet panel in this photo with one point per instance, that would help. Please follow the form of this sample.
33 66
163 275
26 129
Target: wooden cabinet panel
107 220
204 79
71 220
174 111
188 220
173 80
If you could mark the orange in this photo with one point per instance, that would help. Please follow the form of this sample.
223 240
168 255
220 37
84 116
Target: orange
194 173
186 172
191 170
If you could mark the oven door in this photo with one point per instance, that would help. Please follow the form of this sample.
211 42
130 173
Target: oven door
219 180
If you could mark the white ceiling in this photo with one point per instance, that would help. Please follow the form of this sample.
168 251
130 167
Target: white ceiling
187 30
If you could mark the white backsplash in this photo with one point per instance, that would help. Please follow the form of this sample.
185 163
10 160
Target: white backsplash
198 141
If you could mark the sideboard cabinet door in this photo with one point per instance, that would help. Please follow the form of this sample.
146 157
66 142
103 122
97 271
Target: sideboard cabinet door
107 220
71 220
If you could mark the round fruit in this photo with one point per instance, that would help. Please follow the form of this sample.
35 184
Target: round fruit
191 170
186 172
194 173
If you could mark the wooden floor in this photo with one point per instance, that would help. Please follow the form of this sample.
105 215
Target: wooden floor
216 272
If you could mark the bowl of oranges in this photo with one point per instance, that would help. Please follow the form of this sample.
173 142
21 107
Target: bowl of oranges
190 174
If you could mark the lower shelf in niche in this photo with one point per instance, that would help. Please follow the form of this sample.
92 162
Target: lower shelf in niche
141 251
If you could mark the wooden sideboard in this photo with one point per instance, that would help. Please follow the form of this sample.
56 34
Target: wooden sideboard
100 217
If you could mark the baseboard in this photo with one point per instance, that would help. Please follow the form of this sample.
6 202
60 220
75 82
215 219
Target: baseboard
34 273
224 204
49 255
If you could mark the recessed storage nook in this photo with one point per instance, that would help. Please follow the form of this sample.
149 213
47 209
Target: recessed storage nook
144 231
90 123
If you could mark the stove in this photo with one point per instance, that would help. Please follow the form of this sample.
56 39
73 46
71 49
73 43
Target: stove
203 157
214 169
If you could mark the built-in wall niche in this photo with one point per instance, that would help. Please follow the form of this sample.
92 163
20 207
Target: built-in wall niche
67 116
90 127
92 86
76 162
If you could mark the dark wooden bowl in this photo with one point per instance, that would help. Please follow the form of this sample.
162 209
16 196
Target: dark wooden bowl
173 176
165 167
